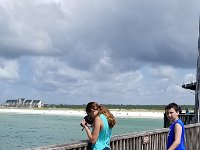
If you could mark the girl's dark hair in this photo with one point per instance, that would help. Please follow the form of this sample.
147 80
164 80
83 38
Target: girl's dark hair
102 110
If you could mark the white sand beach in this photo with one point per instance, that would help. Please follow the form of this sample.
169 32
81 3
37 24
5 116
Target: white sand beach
71 112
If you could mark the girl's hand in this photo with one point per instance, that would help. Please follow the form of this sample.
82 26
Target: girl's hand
83 123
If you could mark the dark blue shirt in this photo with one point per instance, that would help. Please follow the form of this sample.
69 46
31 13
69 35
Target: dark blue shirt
171 136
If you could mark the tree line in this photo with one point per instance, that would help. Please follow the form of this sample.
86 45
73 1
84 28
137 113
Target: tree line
119 106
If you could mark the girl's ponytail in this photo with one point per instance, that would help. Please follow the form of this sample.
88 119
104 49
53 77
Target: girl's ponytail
109 116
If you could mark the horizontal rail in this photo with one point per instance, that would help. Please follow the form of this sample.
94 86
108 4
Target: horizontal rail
146 140
186 119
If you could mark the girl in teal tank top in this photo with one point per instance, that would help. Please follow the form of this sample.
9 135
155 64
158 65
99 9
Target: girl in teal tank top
103 122
104 135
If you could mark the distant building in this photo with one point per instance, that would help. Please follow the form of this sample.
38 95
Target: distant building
11 103
22 102
36 103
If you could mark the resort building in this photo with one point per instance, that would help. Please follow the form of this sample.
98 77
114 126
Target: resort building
22 102
27 103
11 103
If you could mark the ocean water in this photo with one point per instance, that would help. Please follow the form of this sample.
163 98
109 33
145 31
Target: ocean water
21 131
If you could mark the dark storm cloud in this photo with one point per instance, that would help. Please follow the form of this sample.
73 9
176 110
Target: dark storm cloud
136 31
104 48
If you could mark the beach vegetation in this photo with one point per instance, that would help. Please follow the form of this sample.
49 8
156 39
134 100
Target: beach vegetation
118 106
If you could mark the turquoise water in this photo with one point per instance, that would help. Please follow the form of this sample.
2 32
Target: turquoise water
21 131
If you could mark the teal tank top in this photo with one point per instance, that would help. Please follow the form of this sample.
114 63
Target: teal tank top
104 135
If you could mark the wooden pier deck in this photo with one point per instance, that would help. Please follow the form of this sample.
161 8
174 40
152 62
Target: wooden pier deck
148 140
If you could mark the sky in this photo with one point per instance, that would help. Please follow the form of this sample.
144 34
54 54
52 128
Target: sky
136 52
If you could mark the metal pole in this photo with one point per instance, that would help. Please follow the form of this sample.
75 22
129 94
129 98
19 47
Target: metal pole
197 92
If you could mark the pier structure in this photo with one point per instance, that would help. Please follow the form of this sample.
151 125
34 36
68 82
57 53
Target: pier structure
147 140
196 85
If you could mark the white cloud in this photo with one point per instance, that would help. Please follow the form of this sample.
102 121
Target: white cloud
164 72
9 70
175 89
190 77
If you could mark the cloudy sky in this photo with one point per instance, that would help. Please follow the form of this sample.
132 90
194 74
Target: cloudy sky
109 51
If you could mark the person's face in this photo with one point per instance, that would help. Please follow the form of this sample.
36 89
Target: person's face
93 112
172 115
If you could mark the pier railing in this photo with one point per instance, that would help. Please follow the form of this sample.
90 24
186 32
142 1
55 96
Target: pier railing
147 140
186 118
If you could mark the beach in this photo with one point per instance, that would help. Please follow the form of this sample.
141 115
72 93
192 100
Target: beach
73 112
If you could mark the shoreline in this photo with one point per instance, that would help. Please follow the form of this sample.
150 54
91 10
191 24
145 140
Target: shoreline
72 112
